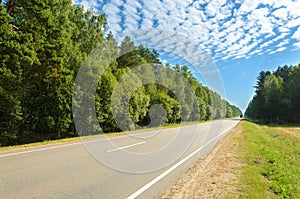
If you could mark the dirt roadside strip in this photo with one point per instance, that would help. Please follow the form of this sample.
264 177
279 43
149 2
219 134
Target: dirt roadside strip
214 176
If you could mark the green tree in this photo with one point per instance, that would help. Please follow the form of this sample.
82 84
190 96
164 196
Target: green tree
293 88
48 84
277 96
43 44
273 94
128 56
103 102
16 54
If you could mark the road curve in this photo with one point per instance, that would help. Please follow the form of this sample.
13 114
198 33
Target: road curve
140 165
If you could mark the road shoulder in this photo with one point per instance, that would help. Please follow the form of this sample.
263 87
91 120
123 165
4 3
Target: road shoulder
214 176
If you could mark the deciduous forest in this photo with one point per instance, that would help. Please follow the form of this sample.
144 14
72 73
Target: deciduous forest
43 44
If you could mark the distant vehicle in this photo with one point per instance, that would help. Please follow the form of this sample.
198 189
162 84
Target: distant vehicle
241 115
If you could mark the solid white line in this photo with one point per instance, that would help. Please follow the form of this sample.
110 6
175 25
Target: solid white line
34 150
50 147
158 178
60 146
63 145
124 147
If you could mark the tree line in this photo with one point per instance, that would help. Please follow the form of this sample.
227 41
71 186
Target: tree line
43 43
277 96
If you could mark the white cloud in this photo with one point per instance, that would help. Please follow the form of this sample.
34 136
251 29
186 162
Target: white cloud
129 9
277 50
297 44
232 37
293 23
213 7
259 17
272 41
246 40
147 14
293 8
198 4
115 27
281 49
284 42
88 4
195 19
296 34
146 23
255 52
283 29
217 26
248 6
131 23
281 13
154 7
265 44
116 2
280 36
113 18
134 4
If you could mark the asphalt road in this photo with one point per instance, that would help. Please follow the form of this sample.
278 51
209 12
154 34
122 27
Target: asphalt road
140 165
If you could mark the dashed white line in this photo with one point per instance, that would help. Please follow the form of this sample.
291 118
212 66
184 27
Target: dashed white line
158 178
63 145
55 147
124 147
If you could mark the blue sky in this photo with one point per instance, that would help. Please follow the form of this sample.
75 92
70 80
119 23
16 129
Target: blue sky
238 38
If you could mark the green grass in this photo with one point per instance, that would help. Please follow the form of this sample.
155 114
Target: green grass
77 139
43 143
271 158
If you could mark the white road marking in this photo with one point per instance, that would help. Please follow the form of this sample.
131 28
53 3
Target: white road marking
58 146
41 149
124 147
66 145
161 176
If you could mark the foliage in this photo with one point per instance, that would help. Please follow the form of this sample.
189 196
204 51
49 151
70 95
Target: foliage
277 96
16 54
42 46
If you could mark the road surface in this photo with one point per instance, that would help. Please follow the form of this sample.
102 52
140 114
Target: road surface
140 165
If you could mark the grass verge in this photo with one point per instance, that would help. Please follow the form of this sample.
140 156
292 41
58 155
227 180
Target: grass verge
7 149
270 156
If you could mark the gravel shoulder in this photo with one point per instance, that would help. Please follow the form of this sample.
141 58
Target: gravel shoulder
214 176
